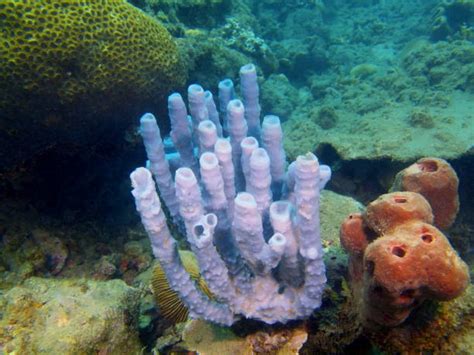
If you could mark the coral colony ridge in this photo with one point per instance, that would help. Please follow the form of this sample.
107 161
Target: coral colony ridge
252 224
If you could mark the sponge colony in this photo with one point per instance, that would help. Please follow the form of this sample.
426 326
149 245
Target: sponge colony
63 56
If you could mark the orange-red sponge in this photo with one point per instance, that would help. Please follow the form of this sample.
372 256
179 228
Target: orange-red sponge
354 237
392 209
413 262
397 258
437 181
352 234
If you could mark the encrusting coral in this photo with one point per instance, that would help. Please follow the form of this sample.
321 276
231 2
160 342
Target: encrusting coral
398 259
254 228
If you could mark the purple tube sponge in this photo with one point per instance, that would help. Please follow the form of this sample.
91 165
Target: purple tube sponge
226 94
260 255
250 93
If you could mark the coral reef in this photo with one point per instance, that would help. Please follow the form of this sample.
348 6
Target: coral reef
202 49
338 324
69 66
441 65
257 259
378 80
70 316
339 73
398 259
36 252
135 259
243 38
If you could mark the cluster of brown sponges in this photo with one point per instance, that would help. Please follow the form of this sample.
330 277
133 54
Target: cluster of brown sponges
398 256
63 56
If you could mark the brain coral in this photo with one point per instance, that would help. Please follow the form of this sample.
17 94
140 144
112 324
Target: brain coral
65 59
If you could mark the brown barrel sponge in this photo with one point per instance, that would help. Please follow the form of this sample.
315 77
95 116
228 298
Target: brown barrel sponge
413 262
352 234
392 209
437 181
417 255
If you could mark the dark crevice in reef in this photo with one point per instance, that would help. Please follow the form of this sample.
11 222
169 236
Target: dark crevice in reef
77 187
361 179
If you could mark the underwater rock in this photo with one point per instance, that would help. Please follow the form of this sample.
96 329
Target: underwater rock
279 342
363 136
442 65
363 71
105 268
20 258
70 317
55 250
434 77
453 19
110 59
438 328
300 58
136 256
209 339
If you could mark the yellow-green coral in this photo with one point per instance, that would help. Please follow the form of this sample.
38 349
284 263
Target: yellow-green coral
77 72
69 50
